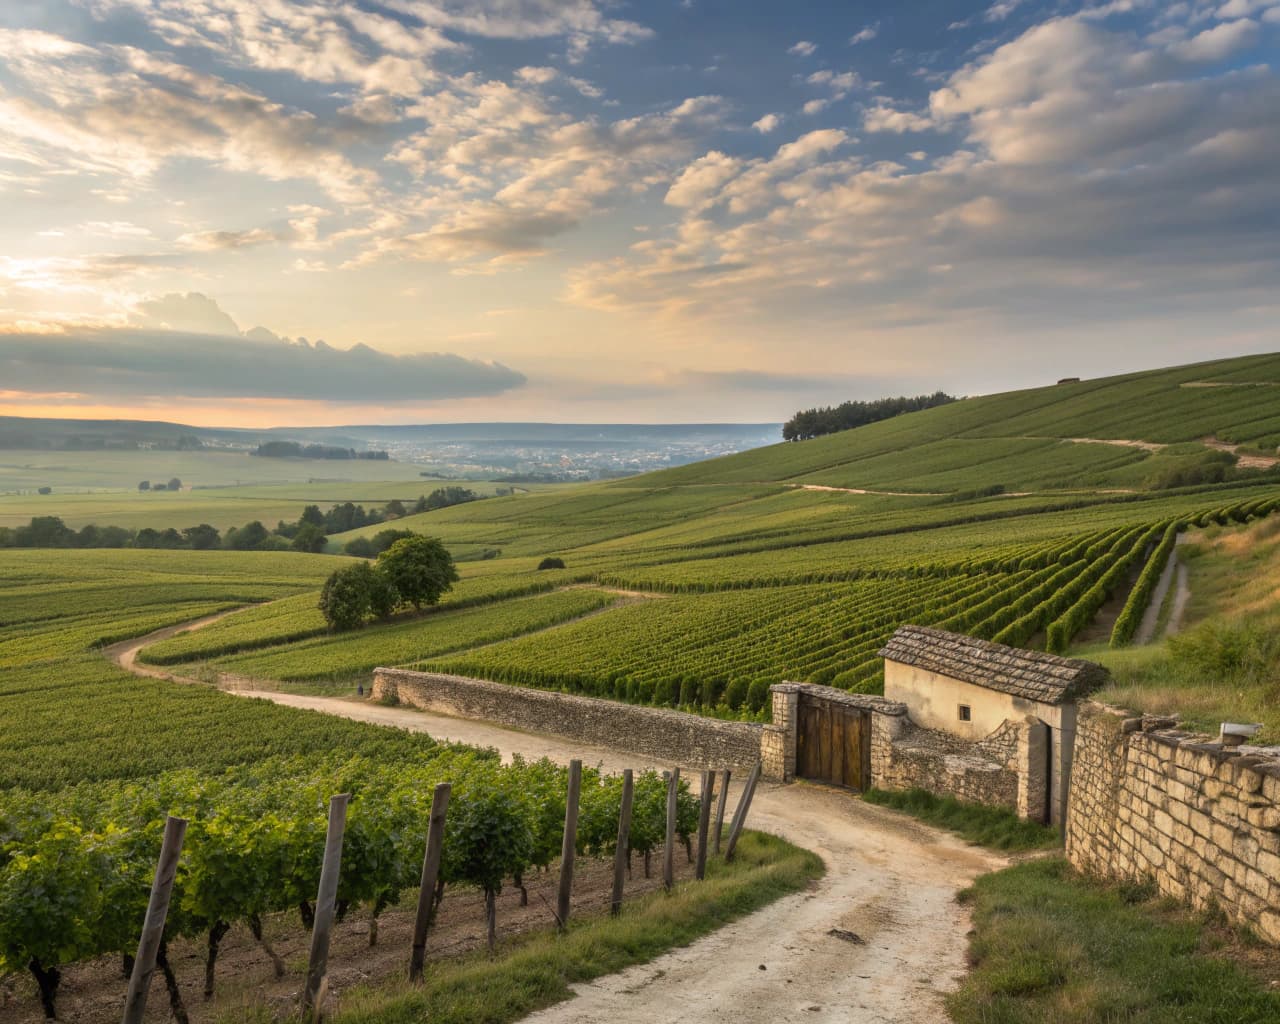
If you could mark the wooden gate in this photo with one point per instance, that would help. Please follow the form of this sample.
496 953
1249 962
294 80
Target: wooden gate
833 743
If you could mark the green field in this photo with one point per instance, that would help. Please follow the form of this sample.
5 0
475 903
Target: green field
222 505
754 577
696 587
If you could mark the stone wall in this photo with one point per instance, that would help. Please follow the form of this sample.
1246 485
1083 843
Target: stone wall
672 737
905 756
1150 802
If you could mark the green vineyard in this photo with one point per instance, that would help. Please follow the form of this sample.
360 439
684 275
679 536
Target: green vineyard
75 870
1010 517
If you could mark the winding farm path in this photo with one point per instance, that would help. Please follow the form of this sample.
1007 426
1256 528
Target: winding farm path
891 882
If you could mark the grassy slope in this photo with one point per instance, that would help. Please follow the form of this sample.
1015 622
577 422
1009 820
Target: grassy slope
1017 430
1049 945
678 529
714 527
1225 665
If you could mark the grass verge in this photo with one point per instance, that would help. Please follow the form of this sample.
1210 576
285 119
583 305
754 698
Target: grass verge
535 970
1052 947
987 826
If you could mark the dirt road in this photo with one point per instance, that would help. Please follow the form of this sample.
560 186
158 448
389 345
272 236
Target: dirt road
890 881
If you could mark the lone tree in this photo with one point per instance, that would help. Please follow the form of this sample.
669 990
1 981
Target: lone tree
347 596
419 568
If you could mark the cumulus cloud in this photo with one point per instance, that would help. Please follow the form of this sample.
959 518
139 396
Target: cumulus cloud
342 42
767 123
865 35
804 48
518 173
1092 171
126 111
884 118
1219 42
194 313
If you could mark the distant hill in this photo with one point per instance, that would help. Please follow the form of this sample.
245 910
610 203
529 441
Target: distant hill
81 434
1038 439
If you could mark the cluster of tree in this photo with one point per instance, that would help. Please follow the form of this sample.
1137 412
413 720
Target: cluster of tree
309 532
174 484
349 516
415 570
52 532
295 450
847 415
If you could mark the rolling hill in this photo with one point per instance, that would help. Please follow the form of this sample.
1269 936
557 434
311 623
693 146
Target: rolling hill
1016 516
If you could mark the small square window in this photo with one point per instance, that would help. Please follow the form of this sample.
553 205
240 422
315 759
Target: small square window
965 714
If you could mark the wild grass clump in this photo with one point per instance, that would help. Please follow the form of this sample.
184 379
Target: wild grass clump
1051 945
994 827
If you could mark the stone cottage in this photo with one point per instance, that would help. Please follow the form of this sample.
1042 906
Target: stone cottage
992 697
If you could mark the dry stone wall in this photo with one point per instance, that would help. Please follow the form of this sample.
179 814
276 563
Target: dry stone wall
1201 821
905 756
673 737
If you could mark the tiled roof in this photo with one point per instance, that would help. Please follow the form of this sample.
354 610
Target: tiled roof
1033 675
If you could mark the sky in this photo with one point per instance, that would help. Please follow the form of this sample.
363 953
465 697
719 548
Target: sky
261 212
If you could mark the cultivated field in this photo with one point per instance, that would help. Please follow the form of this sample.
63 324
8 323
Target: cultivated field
696 587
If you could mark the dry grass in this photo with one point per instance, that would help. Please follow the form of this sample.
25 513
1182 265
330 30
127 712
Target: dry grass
1225 664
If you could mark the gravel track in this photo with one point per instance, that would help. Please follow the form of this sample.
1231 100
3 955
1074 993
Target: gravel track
891 882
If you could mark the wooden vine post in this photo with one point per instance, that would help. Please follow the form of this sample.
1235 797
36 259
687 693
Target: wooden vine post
569 845
624 841
669 847
704 822
740 815
430 872
144 964
720 808
313 993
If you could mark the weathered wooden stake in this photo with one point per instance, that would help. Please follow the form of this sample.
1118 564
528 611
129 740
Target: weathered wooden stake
740 815
430 871
669 848
318 966
620 855
144 964
720 807
569 845
704 823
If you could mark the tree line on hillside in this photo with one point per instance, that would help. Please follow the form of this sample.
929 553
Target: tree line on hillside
811 423
295 450
309 532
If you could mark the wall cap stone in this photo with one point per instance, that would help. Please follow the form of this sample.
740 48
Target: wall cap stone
861 701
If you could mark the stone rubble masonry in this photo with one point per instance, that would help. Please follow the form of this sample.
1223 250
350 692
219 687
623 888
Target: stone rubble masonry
906 756
1201 821
673 737
911 757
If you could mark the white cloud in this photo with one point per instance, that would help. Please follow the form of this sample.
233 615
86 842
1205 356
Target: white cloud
767 123
1001 10
865 35
816 106
1096 171
804 48
702 180
1219 42
884 118
123 110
